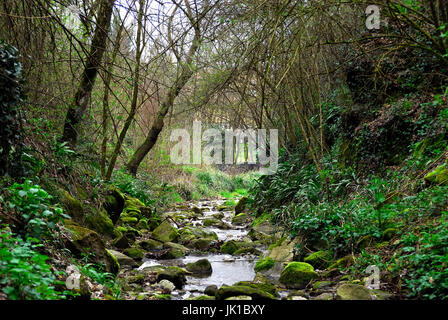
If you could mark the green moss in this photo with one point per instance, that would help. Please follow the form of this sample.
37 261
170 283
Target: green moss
263 286
388 234
319 259
101 222
242 290
203 297
264 264
71 206
297 275
438 176
162 296
277 244
142 224
130 220
114 259
247 250
229 247
240 219
134 252
210 222
202 266
343 262
165 232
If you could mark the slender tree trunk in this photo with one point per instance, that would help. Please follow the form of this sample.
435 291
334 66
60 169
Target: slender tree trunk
105 111
135 83
168 102
94 58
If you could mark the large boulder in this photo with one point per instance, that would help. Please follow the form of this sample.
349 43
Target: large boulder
81 240
135 253
297 275
351 291
174 274
284 251
242 290
200 267
175 250
264 264
241 219
232 246
165 232
122 259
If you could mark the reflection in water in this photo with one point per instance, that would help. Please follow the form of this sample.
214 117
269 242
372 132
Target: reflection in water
227 269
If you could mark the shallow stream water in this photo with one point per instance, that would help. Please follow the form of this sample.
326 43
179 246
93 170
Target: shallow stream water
227 269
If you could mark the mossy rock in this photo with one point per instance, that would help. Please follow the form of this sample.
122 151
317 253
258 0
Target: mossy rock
150 244
211 290
352 292
224 208
388 234
207 222
242 290
174 274
241 219
282 251
175 250
132 221
297 275
241 205
135 253
197 211
121 242
165 232
240 298
72 206
201 244
321 285
232 246
218 215
438 176
101 222
264 264
248 250
264 286
142 224
202 298
116 263
344 262
132 205
319 259
86 241
201 267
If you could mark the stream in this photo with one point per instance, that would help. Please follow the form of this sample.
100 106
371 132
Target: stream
226 269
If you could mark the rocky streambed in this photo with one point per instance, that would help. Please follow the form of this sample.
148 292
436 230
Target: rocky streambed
209 250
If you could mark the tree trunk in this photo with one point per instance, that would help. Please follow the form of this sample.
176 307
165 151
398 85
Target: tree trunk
136 79
82 95
105 118
168 102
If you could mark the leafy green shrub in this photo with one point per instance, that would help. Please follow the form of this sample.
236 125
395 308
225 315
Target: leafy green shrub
425 257
137 188
33 204
96 273
24 273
